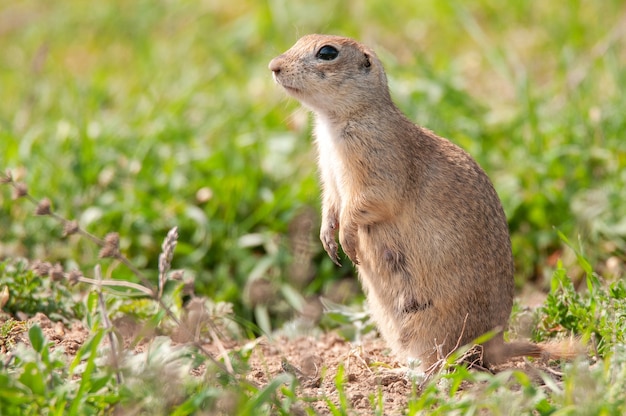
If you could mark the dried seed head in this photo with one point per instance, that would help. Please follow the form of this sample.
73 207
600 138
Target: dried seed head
7 177
177 274
166 256
168 246
56 273
70 227
260 292
111 246
188 287
74 276
19 190
43 207
41 268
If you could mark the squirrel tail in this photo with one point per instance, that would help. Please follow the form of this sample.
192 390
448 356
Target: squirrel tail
566 349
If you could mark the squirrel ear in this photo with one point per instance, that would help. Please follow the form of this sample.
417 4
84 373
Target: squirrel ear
367 62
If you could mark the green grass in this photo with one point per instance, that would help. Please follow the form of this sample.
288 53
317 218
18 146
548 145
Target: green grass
135 117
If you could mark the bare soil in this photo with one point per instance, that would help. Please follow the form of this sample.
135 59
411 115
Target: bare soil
368 371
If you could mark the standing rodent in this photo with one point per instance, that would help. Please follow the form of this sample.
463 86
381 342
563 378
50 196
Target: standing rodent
414 212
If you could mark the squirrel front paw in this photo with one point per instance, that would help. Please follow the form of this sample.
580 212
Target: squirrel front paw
327 236
348 237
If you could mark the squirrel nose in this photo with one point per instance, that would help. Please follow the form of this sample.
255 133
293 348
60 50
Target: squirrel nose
274 65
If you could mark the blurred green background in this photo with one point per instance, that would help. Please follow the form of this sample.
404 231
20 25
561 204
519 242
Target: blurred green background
137 116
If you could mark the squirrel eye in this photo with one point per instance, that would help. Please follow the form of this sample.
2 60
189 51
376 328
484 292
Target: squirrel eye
327 53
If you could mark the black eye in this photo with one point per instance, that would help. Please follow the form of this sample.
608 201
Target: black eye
327 53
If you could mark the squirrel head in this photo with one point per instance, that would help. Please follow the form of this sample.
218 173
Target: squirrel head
332 75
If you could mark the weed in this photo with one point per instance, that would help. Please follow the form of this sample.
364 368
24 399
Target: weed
597 315
29 293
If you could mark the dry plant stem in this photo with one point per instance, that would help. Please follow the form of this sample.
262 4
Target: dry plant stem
135 271
357 352
442 360
458 341
594 343
121 283
222 350
226 368
553 371
107 324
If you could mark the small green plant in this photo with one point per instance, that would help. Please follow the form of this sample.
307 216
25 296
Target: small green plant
35 380
596 315
342 408
579 388
30 293
351 322
9 330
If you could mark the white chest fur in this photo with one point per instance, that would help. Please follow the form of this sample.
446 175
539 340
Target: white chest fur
332 167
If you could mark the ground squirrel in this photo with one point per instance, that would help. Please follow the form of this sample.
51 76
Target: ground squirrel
414 212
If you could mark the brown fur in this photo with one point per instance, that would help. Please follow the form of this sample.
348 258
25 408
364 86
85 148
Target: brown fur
415 212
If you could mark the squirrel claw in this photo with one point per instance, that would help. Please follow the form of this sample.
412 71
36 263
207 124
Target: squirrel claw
332 253
353 258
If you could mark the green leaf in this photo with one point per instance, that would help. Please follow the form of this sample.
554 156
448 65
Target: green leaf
87 349
10 393
263 318
90 348
485 337
36 337
32 378
92 302
265 395
293 297
98 383
340 379
157 318
193 403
